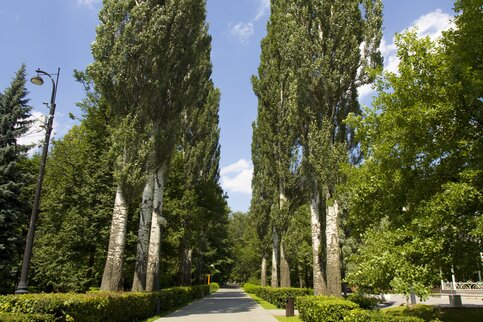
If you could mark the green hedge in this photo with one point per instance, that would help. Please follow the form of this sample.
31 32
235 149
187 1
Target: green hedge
359 315
17 317
322 308
277 296
102 306
363 301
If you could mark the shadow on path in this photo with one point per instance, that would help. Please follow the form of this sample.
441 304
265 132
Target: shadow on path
228 304
221 302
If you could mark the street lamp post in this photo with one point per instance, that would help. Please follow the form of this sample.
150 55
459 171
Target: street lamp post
22 287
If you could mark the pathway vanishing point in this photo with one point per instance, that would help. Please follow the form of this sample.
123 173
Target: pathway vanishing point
228 304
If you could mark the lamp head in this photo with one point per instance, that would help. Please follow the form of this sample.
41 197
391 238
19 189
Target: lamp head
37 80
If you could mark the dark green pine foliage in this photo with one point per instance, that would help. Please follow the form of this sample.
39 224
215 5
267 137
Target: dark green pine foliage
275 133
73 230
14 207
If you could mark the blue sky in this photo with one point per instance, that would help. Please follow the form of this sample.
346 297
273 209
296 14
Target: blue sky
47 34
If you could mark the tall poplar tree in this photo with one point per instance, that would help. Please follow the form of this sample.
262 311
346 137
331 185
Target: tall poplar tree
261 202
337 42
275 128
146 58
14 122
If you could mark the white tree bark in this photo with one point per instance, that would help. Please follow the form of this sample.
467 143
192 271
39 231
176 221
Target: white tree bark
318 277
284 268
139 281
334 279
152 276
264 271
112 277
186 265
275 256
301 275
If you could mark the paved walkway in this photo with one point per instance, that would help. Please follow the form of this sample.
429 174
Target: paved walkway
393 300
228 304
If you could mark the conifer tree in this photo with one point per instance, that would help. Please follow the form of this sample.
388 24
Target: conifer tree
14 122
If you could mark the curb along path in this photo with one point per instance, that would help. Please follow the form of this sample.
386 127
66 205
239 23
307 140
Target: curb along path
228 304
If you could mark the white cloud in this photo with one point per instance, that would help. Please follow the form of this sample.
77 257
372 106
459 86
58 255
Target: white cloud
243 31
364 90
237 177
88 3
433 24
36 133
263 9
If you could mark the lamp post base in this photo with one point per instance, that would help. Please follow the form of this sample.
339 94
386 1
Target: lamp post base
21 289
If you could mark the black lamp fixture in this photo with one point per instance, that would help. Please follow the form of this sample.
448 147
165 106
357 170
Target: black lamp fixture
37 80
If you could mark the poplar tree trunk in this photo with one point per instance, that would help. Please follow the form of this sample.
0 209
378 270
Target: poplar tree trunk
264 271
112 277
152 276
284 268
301 275
333 251
139 281
318 277
186 262
275 256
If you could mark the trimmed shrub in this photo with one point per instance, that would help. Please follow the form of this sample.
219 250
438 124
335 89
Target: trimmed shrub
277 296
359 315
17 317
102 306
250 288
322 309
214 287
363 301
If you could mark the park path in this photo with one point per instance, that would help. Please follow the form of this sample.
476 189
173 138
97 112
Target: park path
228 304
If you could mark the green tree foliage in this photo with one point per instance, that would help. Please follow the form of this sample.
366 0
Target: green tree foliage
195 207
422 175
299 246
150 62
275 144
69 250
14 204
243 239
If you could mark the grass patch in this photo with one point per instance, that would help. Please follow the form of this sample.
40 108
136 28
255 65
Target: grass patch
445 314
266 305
288 319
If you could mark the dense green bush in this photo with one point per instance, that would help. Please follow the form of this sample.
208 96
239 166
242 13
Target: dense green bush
321 309
102 306
17 317
363 301
214 287
250 288
277 296
359 315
